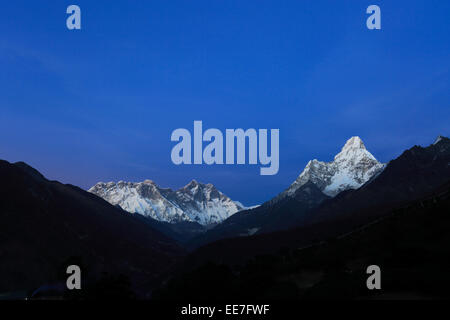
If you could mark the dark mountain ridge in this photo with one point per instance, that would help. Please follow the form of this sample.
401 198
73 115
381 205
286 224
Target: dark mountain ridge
269 217
409 245
413 175
45 225
417 171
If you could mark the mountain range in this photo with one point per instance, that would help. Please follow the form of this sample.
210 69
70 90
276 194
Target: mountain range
397 220
417 173
207 206
352 167
44 225
408 243
195 202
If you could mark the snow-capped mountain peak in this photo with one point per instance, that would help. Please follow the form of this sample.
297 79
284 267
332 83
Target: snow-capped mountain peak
195 202
352 146
192 184
438 139
350 169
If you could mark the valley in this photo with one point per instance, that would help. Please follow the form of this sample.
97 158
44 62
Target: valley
195 243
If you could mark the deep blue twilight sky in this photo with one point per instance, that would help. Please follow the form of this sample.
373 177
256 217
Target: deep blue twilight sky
100 104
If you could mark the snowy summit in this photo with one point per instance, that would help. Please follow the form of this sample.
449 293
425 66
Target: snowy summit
350 169
195 202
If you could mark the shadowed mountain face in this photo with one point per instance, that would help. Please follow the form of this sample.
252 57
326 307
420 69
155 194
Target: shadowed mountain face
398 221
319 181
268 217
409 245
415 173
45 225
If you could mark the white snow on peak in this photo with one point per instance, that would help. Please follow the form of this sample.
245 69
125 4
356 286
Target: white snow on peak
195 202
350 169
438 139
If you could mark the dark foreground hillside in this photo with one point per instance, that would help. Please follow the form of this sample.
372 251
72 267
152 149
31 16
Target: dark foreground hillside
46 226
410 244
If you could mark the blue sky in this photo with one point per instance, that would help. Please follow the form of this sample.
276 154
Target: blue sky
100 104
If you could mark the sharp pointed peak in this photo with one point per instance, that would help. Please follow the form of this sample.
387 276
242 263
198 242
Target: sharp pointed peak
312 163
439 139
192 184
354 142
